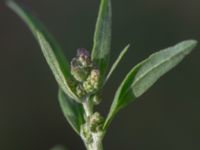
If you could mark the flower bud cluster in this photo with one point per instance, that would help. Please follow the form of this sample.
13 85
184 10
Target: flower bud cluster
80 65
95 122
86 134
92 82
85 73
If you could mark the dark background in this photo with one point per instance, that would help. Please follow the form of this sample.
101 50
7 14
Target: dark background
164 118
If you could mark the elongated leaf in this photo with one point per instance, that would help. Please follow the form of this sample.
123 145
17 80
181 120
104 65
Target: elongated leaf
51 50
72 111
118 99
146 73
115 64
102 36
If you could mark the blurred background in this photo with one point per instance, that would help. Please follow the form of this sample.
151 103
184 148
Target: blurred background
164 118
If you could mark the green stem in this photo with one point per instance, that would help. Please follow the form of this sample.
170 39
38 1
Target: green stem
88 107
97 145
96 138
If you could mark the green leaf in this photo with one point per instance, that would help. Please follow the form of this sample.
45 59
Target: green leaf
51 50
146 73
115 64
102 37
72 111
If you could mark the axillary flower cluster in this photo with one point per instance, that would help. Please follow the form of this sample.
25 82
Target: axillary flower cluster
86 73
86 76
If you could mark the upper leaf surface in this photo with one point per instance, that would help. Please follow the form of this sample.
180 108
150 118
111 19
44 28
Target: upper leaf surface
158 64
146 73
51 50
102 37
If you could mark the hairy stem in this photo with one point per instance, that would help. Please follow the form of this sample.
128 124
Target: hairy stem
96 144
88 107
93 141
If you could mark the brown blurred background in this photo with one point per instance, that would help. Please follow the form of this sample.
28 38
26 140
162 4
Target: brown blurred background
164 118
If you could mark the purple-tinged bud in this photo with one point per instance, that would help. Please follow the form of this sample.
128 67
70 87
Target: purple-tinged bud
81 65
82 52
84 57
79 72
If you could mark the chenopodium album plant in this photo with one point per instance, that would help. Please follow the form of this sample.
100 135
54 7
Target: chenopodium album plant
82 80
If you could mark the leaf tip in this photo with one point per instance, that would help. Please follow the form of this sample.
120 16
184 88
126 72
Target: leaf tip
192 41
128 46
10 3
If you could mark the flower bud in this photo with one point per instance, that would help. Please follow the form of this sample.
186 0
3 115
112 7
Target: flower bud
80 91
92 82
96 122
81 65
84 57
96 99
79 72
85 133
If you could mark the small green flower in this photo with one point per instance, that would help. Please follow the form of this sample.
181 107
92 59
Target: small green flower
79 72
95 122
96 99
85 133
92 83
80 91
